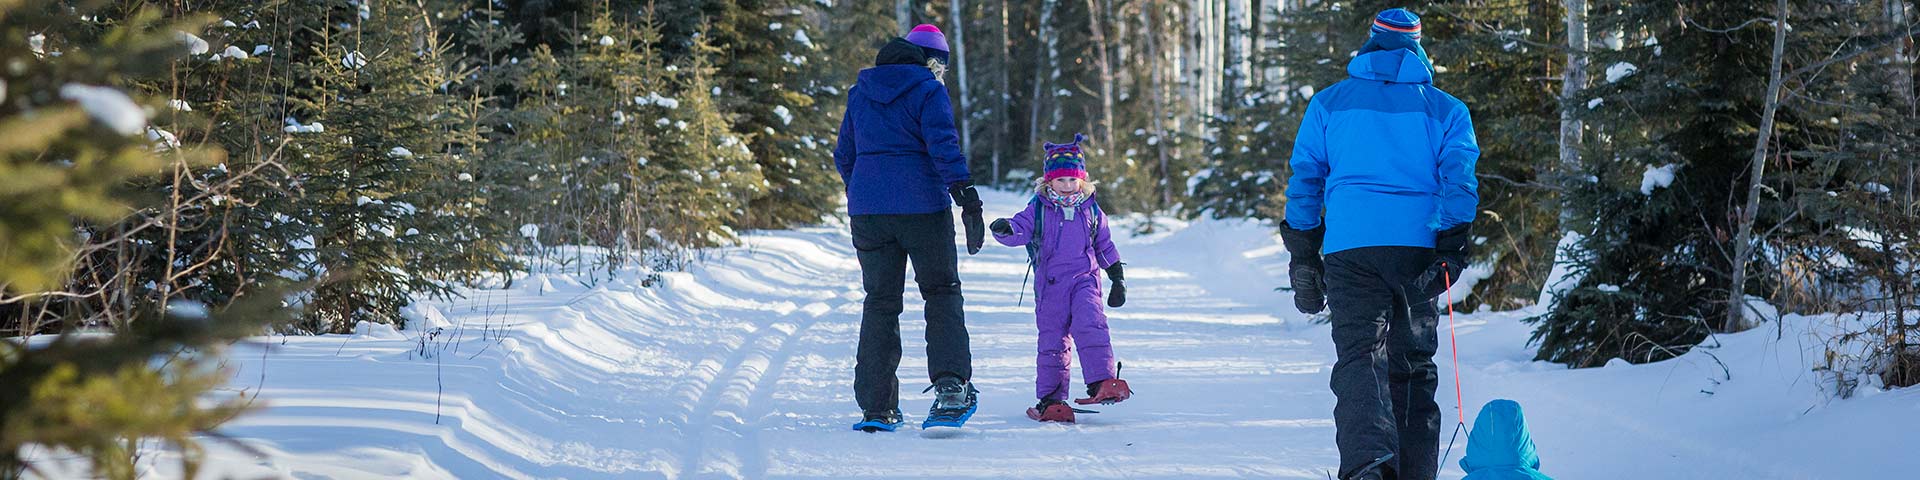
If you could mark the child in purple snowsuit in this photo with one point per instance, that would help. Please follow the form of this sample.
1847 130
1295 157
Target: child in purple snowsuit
1066 235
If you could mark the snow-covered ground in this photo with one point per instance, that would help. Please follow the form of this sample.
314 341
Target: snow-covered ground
743 366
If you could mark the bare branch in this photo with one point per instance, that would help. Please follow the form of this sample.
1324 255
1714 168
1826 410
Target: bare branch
1744 24
1884 41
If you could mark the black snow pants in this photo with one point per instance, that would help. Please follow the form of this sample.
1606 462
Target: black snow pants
1384 379
885 244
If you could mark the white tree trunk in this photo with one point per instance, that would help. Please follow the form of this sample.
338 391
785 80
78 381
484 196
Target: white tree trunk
1573 81
1899 13
1004 107
959 45
1040 76
903 15
1094 22
1743 242
1157 95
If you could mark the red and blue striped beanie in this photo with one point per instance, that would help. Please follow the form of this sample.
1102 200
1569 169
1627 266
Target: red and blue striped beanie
1065 160
1398 21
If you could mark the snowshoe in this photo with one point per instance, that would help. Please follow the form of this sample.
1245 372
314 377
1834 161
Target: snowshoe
1054 411
953 404
1106 392
879 422
1051 411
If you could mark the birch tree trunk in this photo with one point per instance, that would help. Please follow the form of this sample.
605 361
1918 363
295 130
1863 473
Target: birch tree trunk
903 15
1004 106
1157 97
1255 75
1743 242
1106 74
1573 80
956 7
1040 74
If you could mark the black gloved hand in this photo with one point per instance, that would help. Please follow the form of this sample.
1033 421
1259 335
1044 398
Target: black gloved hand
969 201
1001 227
1450 246
1117 295
1306 270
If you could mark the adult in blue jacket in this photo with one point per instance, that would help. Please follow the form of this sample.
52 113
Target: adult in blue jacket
1500 448
900 157
1383 187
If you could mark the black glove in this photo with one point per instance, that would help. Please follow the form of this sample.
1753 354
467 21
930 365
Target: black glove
1450 248
969 201
1001 227
1117 295
1306 270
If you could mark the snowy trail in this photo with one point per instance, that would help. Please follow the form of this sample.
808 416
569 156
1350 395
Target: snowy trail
742 367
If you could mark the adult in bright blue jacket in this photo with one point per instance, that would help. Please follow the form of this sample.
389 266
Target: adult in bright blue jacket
1378 216
1500 448
900 157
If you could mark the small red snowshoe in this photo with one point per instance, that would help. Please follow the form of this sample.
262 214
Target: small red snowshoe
1052 411
1106 392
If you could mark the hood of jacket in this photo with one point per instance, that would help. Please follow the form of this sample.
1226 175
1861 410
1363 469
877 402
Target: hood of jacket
1500 439
900 67
1399 65
886 83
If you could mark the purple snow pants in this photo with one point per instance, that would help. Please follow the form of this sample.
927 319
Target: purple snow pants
1069 314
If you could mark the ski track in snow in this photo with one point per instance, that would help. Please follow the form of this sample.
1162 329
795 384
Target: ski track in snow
742 367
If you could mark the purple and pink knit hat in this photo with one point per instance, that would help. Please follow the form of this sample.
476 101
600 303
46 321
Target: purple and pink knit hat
1065 159
931 40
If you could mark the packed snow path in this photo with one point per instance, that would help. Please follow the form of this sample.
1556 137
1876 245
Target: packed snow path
742 367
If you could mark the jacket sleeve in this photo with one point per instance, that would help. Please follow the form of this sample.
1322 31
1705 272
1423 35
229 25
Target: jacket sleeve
943 139
1459 189
1103 249
843 147
1022 224
1306 189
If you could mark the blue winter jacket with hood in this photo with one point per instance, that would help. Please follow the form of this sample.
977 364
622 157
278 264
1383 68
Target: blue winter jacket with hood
898 149
1500 447
1386 156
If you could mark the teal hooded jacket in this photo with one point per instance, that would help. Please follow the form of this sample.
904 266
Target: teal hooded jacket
1500 447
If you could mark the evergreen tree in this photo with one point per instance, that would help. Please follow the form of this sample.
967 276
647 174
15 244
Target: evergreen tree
74 139
228 233
1677 107
702 164
376 150
1496 57
1858 188
779 97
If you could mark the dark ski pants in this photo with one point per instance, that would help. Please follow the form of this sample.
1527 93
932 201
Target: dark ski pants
1384 378
885 244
